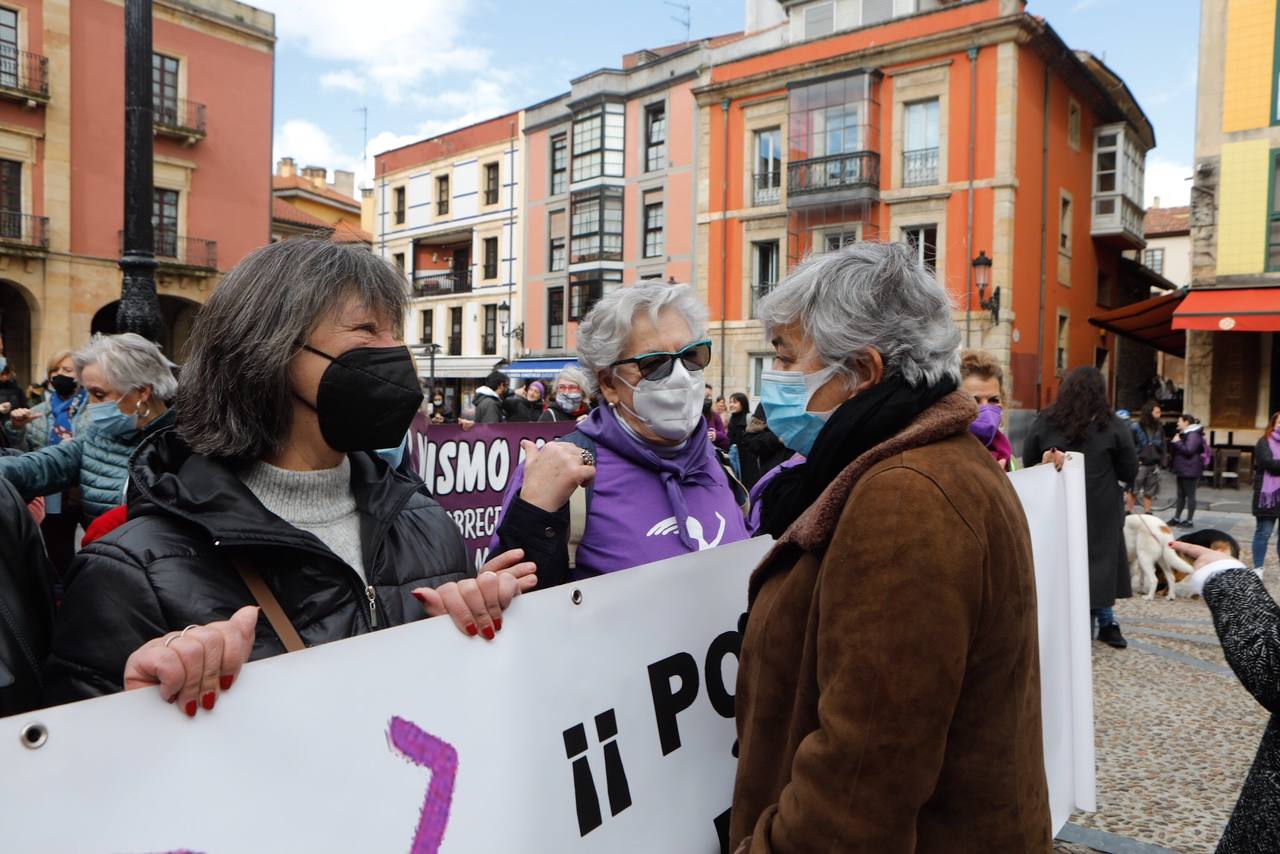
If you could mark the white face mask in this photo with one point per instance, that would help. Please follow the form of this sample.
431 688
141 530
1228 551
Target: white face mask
670 407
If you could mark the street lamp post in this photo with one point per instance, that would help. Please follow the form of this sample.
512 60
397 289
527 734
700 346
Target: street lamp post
982 277
504 319
139 309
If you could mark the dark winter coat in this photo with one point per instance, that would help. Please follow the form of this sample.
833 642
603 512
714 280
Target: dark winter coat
554 413
1109 458
737 427
170 565
1248 623
760 453
1264 462
489 409
26 606
1186 454
520 410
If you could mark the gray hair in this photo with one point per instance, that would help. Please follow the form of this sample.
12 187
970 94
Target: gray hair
129 362
606 329
570 374
234 397
875 295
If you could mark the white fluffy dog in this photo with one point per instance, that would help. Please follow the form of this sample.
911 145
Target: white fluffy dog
1147 540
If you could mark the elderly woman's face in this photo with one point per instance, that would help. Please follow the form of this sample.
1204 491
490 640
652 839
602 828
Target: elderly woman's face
670 334
67 368
794 351
95 383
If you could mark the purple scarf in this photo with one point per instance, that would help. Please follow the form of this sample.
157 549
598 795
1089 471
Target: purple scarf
1271 482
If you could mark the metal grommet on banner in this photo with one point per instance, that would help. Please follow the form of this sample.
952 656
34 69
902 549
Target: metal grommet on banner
33 736
576 598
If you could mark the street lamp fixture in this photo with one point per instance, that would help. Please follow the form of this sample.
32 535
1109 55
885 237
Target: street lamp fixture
504 319
982 277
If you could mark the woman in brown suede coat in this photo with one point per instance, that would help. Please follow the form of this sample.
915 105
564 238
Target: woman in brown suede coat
889 688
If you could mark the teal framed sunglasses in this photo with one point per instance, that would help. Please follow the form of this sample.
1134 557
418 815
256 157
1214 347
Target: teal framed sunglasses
658 366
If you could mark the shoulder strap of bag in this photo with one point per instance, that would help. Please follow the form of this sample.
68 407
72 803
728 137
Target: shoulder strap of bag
270 605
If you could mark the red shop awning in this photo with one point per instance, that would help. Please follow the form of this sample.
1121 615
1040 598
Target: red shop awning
1149 322
1230 310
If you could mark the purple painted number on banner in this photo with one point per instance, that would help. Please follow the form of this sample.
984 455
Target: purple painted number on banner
422 748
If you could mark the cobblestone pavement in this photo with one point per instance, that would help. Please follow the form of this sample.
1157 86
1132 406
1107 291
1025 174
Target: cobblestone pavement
1176 732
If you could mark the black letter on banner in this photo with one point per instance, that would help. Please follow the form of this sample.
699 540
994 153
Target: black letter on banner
667 705
722 831
729 643
584 785
615 776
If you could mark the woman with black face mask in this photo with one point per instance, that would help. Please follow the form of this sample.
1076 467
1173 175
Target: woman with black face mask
276 490
63 414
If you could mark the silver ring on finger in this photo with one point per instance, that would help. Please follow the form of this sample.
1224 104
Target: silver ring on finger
588 458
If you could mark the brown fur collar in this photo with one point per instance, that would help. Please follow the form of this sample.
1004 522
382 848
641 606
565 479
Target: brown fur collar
813 530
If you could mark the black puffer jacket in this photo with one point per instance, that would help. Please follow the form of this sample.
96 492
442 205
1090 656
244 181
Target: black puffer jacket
170 565
26 608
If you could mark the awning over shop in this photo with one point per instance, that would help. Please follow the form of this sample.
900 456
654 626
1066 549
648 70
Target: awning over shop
1230 310
537 369
455 367
1149 321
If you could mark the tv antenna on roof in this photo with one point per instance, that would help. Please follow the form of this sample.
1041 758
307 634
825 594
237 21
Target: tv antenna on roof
687 20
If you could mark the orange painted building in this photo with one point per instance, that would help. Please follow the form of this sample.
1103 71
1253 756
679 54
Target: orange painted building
961 128
62 162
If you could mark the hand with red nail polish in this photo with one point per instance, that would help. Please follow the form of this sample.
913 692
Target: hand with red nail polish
191 666
476 605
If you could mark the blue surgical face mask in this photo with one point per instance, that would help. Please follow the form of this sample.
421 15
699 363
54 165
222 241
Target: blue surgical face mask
4 364
107 419
786 396
394 456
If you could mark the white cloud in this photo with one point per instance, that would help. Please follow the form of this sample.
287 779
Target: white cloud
1168 181
345 79
393 51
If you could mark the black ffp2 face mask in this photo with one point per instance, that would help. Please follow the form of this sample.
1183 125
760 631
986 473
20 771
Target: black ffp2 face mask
367 398
64 385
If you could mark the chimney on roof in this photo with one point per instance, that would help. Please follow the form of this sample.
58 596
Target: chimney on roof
286 168
1155 202
344 182
315 174
763 14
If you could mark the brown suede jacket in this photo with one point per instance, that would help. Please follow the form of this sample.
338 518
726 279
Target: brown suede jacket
889 689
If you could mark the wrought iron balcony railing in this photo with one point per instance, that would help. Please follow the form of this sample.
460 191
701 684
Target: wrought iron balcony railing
767 188
834 172
435 284
179 117
24 73
24 229
174 248
920 167
455 345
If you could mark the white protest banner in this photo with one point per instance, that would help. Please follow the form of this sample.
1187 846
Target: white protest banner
598 721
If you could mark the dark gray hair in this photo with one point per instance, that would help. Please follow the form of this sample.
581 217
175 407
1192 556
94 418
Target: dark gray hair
129 362
607 327
875 295
234 399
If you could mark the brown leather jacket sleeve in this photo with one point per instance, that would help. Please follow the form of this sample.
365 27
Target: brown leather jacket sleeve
898 601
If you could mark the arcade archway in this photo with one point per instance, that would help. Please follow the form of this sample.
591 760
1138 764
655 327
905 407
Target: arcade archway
177 313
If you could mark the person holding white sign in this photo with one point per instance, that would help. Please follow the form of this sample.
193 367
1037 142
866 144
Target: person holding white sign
888 692
639 481
270 493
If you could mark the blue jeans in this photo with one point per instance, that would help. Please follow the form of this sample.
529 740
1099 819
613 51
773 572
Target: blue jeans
1262 533
1104 616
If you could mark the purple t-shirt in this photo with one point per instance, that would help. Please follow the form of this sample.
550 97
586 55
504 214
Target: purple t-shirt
647 506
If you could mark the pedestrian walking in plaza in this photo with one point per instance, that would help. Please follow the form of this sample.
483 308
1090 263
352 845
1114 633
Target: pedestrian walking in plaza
63 414
1152 453
128 381
270 493
1187 450
570 400
638 481
1266 489
1247 620
489 398
888 693
1081 421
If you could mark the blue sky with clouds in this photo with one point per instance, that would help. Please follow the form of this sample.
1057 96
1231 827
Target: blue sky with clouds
422 67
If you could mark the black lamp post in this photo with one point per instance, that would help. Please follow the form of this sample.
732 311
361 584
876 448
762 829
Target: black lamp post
982 277
139 309
504 318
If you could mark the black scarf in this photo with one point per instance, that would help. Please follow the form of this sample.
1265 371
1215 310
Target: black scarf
861 423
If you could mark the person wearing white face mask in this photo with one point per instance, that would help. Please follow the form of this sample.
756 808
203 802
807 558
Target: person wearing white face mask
128 379
639 481
888 693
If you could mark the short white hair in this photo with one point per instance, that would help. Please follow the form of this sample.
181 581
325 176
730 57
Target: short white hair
604 333
571 374
870 295
129 362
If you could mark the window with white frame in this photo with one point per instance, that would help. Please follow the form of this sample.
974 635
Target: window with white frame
920 143
556 241
1154 260
1065 228
598 141
765 258
1062 351
834 239
923 240
654 223
559 164
767 176
655 137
